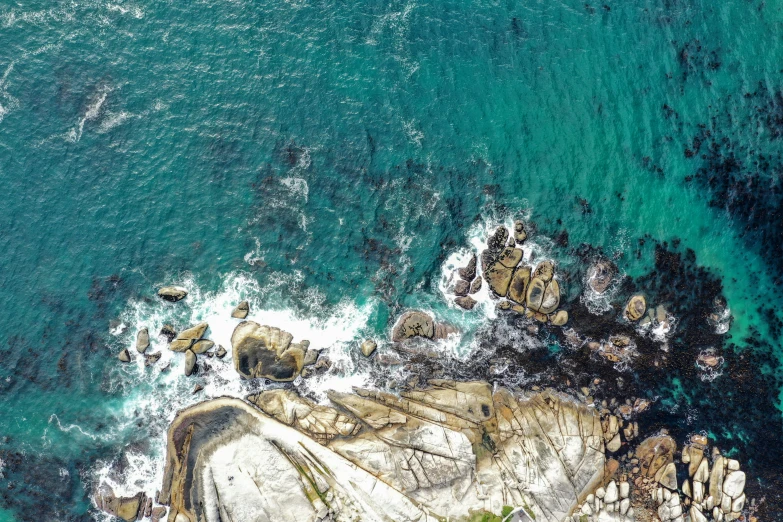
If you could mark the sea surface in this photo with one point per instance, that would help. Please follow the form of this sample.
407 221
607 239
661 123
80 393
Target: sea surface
331 162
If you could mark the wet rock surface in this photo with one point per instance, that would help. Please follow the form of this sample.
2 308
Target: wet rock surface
266 352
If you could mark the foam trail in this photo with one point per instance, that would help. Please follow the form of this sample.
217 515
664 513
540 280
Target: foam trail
155 395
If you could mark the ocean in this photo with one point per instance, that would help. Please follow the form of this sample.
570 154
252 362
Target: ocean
332 162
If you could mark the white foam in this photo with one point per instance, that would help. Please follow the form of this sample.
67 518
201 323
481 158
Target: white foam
156 395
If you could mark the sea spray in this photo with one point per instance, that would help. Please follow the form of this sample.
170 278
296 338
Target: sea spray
153 395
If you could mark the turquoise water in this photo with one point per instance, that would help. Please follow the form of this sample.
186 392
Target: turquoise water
334 154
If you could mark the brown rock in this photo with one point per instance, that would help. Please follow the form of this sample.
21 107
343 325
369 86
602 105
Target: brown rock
654 453
498 277
545 271
636 308
241 311
142 340
510 257
124 356
168 332
187 338
560 318
551 299
461 288
519 231
600 275
266 352
152 358
202 346
413 324
475 286
497 241
535 293
190 362
172 293
465 302
221 352
197 388
469 272
519 282
368 347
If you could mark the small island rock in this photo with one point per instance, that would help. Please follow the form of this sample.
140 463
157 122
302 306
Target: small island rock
368 347
172 293
142 340
636 308
241 311
190 362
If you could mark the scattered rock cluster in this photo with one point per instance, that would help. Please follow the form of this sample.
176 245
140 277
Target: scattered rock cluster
467 285
649 480
532 291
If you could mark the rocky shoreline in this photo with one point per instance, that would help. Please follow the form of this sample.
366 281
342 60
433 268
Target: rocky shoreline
461 440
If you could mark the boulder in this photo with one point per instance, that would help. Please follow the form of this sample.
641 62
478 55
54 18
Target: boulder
519 232
158 513
202 346
266 352
734 484
545 271
190 362
655 453
468 273
600 274
172 293
551 299
535 293
510 257
311 356
368 347
187 338
560 318
126 508
151 358
168 332
221 352
465 302
475 286
517 289
124 356
142 340
498 277
636 308
415 323
241 311
461 287
497 241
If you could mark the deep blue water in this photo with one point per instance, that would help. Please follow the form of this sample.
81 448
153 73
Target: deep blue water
326 158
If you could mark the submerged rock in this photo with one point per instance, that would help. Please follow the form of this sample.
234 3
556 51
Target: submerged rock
172 293
142 340
432 453
241 311
266 352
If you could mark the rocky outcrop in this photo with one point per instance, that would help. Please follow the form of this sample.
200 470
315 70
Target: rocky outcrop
241 311
415 323
600 275
266 352
443 451
172 293
124 356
